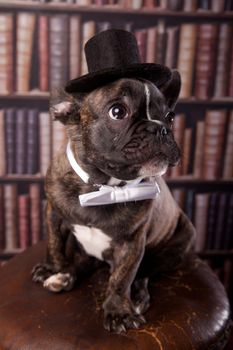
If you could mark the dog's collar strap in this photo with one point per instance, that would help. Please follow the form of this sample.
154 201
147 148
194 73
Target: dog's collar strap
135 190
76 167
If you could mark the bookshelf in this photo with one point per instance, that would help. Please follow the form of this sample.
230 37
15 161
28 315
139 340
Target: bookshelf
147 22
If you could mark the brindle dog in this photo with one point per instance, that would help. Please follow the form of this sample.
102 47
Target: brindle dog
117 133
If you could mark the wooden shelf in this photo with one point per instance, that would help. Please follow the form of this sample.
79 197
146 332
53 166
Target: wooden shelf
21 178
114 9
44 96
187 182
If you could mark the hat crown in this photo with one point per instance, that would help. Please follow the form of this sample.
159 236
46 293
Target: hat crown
111 49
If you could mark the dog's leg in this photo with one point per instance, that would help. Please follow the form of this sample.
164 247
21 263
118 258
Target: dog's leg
119 311
140 295
52 273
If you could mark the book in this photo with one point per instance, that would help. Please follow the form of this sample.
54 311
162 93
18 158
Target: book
35 212
172 44
230 88
58 48
75 47
212 220
141 37
6 53
228 241
45 145
186 57
23 221
201 219
223 60
198 152
32 142
2 226
190 204
88 30
207 39
228 155
151 45
178 132
11 217
217 6
9 121
190 5
187 143
21 141
215 123
220 222
161 42
43 52
24 44
2 144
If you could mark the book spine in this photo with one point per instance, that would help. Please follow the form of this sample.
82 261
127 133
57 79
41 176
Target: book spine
186 56
9 120
198 152
6 53
212 220
178 132
88 30
32 142
172 44
45 146
58 49
75 47
223 61
20 141
35 213
221 219
141 37
190 5
151 45
2 223
205 61
23 218
43 52
25 33
161 42
186 151
228 241
2 144
200 220
215 123
228 157
11 217
230 88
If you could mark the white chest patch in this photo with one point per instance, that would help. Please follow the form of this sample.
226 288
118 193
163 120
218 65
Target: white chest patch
93 240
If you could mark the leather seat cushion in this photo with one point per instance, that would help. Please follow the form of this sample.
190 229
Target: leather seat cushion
189 310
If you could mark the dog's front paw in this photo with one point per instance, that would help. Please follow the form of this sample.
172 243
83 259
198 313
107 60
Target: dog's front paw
59 282
41 272
121 317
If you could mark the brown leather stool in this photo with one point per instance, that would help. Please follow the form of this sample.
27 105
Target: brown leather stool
189 310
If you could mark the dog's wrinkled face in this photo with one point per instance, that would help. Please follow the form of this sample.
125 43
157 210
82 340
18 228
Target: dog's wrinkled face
124 128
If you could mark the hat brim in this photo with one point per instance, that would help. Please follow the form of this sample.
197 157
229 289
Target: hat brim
156 73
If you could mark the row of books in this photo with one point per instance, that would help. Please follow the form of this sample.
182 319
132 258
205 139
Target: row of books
212 215
171 5
48 51
28 141
21 217
206 145
22 220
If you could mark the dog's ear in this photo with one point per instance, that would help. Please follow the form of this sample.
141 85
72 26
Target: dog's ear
171 89
65 107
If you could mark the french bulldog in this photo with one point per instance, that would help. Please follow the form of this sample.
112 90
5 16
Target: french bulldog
117 133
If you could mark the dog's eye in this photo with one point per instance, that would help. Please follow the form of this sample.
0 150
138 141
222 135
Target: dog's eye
118 112
170 117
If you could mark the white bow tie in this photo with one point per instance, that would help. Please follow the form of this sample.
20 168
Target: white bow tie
133 191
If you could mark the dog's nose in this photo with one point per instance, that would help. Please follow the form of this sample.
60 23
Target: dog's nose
164 131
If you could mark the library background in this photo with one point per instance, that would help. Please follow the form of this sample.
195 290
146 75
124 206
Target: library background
41 48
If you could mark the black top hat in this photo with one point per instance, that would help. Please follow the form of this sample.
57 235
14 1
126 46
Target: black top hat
114 54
